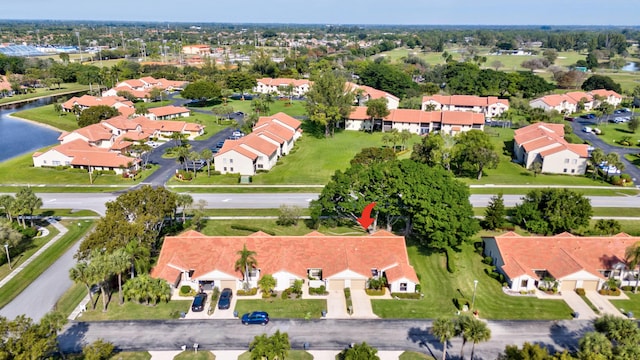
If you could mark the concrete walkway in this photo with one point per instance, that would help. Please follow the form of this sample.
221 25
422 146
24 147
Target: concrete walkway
61 231
578 305
361 305
602 304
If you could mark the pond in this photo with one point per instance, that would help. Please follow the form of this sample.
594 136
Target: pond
631 66
18 137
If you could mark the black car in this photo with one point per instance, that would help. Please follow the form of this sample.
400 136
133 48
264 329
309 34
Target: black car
256 317
220 144
199 302
225 299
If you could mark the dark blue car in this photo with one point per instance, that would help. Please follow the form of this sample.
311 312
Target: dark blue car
225 299
256 317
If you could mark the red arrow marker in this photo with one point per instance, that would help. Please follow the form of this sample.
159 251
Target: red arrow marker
365 220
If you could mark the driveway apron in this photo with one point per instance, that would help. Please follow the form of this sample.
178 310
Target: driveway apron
602 304
361 305
578 305
336 305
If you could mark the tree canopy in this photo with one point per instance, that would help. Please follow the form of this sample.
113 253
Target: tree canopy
552 211
328 102
95 114
201 90
601 82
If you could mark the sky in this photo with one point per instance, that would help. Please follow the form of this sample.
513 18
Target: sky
379 12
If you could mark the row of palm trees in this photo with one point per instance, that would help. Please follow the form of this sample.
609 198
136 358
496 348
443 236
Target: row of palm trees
466 326
24 204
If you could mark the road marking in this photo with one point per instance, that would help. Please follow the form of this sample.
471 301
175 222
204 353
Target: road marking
226 200
51 200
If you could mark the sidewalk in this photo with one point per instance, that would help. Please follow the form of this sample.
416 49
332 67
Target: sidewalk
62 230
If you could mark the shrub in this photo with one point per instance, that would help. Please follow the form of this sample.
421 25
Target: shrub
451 264
418 288
296 288
322 290
215 294
286 294
627 288
375 292
580 291
403 295
184 175
488 260
615 180
459 303
249 292
610 292
185 290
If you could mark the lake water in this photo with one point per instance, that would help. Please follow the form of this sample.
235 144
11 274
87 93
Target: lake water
631 66
18 137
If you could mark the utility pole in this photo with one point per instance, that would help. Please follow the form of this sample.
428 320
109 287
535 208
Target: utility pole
79 47
6 248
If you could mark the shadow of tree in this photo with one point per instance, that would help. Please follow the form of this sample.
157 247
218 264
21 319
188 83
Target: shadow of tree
425 340
72 339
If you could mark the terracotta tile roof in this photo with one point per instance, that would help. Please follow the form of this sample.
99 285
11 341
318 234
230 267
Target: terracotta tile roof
234 145
540 143
84 154
422 117
283 118
88 101
284 82
461 118
539 135
359 113
563 254
126 111
557 99
579 95
4 83
134 83
294 254
274 131
168 110
606 93
256 143
94 132
375 93
465 100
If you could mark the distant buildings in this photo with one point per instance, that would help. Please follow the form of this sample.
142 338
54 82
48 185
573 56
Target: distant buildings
571 102
489 106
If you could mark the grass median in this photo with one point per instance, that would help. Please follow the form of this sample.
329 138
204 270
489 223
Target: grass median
283 309
24 278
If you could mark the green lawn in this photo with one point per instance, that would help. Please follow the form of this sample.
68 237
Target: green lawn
414 355
47 115
246 227
614 191
192 355
30 249
633 304
283 309
132 311
20 170
441 288
12 288
293 355
247 212
295 109
70 299
64 88
613 133
131 355
628 226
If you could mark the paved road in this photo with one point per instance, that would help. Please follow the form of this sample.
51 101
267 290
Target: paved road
320 334
603 123
96 201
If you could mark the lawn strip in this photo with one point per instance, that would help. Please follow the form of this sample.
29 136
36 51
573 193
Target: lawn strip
283 309
71 299
633 304
34 246
133 311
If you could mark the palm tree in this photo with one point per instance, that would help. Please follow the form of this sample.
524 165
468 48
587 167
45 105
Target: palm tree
101 268
184 201
182 155
207 155
476 332
597 157
54 321
594 345
119 262
6 203
444 329
139 257
245 261
462 323
632 256
82 273
405 135
193 157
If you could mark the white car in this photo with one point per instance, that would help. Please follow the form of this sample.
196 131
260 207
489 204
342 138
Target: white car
619 120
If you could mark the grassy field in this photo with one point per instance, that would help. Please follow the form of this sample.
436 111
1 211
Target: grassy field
293 355
283 309
47 115
12 288
20 170
18 259
247 227
297 108
613 133
192 355
630 227
633 304
70 299
441 288
414 355
64 88
131 355
132 311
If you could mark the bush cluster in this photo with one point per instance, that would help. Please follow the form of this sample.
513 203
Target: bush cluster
488 260
186 290
627 288
249 292
322 290
580 291
375 292
459 303
610 292
184 175
215 294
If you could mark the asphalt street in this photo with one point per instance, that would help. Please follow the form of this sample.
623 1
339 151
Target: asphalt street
319 334
96 201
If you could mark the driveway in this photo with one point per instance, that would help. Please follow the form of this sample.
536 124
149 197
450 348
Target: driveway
337 305
602 304
578 305
361 305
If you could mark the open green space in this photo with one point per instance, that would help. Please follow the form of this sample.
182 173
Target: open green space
48 116
64 89
414 355
635 159
293 355
633 304
614 191
43 188
12 288
297 108
441 287
71 299
193 355
248 212
33 246
283 309
20 170
612 134
247 227
131 355
133 311
597 211
631 227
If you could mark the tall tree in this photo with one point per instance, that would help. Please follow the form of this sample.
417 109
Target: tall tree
207 156
597 158
82 273
139 257
475 152
444 329
377 109
632 257
95 114
274 347
245 262
594 346
119 262
476 332
328 102
495 213
201 90
552 211
184 201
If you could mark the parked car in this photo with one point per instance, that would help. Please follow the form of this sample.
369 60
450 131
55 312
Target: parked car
237 133
568 118
215 150
224 302
220 144
619 120
198 302
586 129
588 116
256 317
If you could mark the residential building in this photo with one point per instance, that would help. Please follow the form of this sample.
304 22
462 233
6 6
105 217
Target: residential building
199 49
279 86
168 112
416 121
82 155
545 143
573 261
86 101
365 93
337 262
568 103
140 88
489 106
272 137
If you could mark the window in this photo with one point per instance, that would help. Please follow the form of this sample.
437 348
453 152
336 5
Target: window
564 170
573 171
44 162
574 161
55 163
375 273
231 169
225 168
315 274
524 283
403 286
566 161
230 161
224 160
260 166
